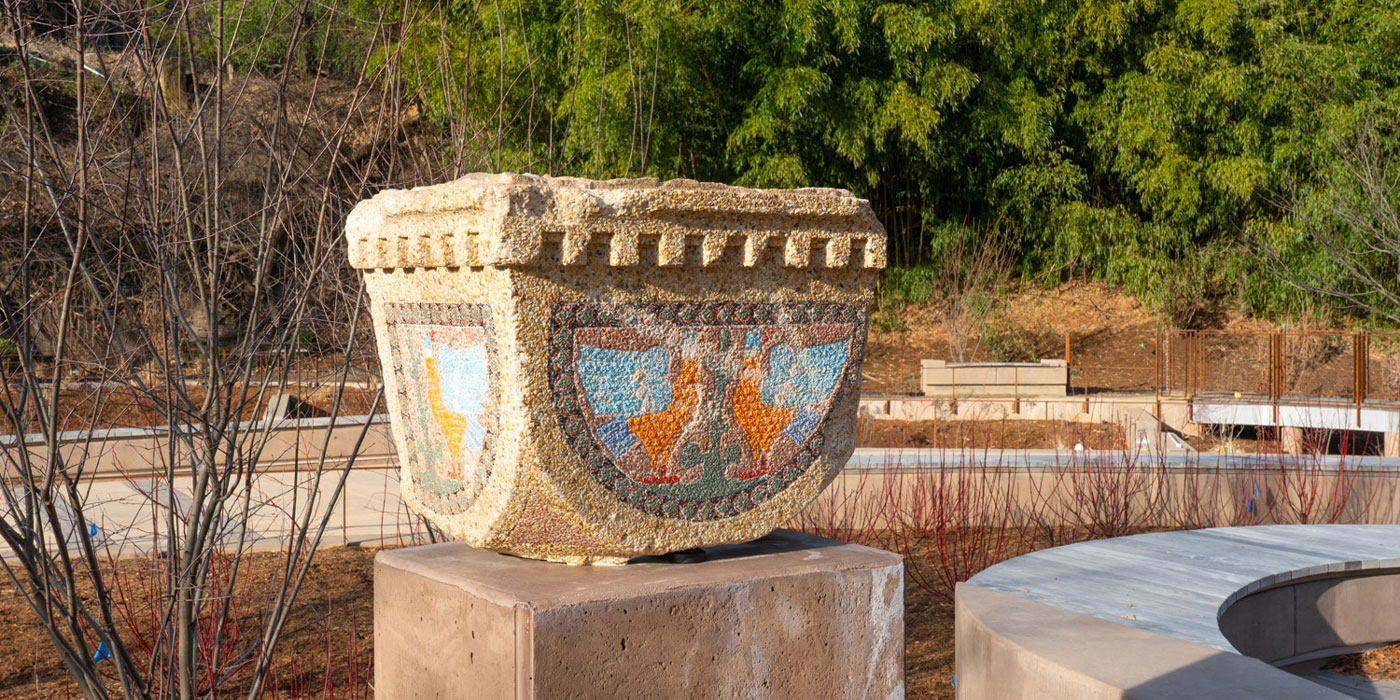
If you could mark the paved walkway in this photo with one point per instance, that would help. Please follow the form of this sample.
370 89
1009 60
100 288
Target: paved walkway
127 500
131 514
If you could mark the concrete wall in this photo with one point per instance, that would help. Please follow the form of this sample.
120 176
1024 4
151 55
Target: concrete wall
276 445
1046 378
1146 496
1117 409
1315 618
1010 648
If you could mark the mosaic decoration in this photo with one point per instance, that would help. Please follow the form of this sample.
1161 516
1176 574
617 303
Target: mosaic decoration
700 411
445 367
678 362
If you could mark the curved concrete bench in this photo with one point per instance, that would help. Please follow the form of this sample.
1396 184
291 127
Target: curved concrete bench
1195 614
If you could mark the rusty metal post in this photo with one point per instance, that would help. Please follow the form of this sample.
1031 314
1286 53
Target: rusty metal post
1192 347
1157 380
1166 362
1016 389
1066 348
1188 361
1173 349
1200 362
1196 352
1193 359
1193 370
1271 381
1184 350
1271 368
1156 362
888 405
1279 362
1085 373
1358 390
1365 365
953 379
1167 355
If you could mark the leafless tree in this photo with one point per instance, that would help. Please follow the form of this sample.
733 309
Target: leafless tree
172 237
1348 220
971 273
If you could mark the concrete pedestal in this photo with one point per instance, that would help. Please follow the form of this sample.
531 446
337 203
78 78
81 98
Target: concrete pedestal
787 616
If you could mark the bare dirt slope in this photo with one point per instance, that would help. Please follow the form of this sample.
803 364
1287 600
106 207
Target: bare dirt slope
1107 329
1113 341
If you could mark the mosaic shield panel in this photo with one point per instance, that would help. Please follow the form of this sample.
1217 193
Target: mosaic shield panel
445 370
700 411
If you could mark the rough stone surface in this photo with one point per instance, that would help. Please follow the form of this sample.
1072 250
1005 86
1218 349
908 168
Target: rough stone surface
789 615
590 371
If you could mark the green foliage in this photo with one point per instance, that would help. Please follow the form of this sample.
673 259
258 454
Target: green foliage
258 35
1124 138
1341 245
308 341
1137 141
592 88
900 286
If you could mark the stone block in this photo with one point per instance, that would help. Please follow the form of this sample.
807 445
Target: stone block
1041 379
787 616
588 371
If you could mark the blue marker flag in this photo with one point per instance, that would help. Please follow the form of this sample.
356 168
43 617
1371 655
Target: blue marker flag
102 654
92 530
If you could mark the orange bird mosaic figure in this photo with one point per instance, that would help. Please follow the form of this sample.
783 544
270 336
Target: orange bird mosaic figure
460 412
784 400
649 407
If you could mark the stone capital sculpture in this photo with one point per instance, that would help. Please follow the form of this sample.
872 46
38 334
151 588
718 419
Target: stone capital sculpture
586 371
